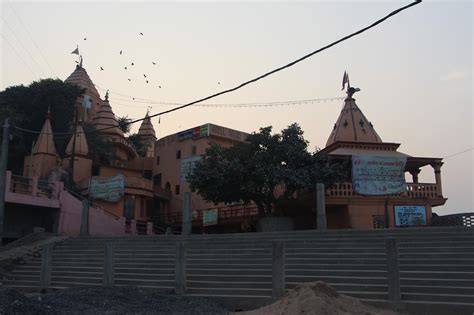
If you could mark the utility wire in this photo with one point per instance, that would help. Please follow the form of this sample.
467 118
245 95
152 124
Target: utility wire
459 153
31 37
23 46
266 74
20 57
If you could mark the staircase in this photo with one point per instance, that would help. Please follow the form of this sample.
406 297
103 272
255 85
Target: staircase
436 264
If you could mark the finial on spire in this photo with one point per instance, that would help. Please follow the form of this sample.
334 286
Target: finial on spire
80 61
345 79
148 110
107 95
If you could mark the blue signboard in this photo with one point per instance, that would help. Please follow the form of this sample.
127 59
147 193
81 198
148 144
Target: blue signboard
409 215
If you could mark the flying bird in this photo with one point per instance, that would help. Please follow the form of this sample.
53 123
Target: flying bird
101 69
154 63
132 64
133 98
129 79
159 86
125 68
147 81
85 38
141 34
120 51
144 75
218 83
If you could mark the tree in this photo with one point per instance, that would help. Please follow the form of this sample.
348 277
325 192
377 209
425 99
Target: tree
101 151
140 146
264 169
124 124
27 107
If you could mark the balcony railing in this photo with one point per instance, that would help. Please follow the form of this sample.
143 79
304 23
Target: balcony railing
32 186
414 190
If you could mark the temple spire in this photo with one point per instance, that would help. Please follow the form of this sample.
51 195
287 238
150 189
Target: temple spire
45 142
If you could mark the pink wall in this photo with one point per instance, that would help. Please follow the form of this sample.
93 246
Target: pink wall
100 223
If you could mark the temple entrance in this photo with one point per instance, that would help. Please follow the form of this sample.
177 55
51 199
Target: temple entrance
337 217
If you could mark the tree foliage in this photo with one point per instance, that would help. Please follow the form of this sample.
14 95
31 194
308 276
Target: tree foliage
124 124
140 146
27 107
101 151
264 169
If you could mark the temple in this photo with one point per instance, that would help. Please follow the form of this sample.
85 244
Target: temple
155 173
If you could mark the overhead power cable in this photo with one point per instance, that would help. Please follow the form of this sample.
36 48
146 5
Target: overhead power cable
31 38
270 72
19 56
23 46
459 153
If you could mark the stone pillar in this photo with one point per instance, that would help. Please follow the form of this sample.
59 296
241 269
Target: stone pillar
186 224
414 175
180 269
109 266
321 206
46 266
437 171
85 218
393 271
278 269
133 227
149 228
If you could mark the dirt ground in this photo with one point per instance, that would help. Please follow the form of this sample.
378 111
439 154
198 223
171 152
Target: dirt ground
319 299
120 300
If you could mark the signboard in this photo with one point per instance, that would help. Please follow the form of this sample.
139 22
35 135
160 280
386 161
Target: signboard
107 188
378 175
209 217
187 165
409 215
197 132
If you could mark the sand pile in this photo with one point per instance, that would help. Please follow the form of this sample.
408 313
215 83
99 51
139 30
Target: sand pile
317 298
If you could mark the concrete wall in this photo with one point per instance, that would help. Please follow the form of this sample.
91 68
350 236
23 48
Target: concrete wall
100 223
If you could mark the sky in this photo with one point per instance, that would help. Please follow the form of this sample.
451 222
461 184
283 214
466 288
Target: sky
414 70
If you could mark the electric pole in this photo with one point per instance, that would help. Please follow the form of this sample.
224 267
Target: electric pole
3 171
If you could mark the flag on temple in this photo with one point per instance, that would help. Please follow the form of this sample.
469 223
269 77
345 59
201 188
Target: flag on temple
345 79
76 51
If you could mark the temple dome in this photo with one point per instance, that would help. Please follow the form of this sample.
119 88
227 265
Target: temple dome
81 146
105 121
353 126
146 128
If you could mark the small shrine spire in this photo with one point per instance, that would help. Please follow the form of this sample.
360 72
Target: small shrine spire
45 142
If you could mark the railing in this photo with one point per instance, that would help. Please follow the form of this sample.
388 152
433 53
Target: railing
457 219
32 186
21 185
415 190
225 214
138 183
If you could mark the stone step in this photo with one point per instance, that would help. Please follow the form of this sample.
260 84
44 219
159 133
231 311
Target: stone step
233 271
289 261
383 288
337 279
151 283
438 256
437 290
434 267
230 278
192 284
465 275
436 282
145 276
456 298
335 266
77 279
435 261
243 293
366 295
225 261
339 273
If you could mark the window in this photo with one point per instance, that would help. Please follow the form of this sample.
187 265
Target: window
157 180
178 154
176 189
158 160
168 186
193 149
